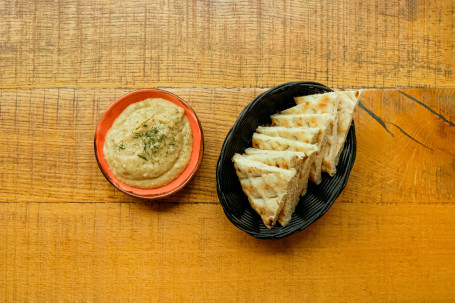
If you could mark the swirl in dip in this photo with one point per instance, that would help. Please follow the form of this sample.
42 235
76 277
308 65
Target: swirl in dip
149 144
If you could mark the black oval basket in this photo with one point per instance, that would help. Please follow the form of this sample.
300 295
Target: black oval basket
318 199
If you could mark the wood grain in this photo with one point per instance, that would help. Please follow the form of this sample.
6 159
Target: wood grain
140 43
47 145
168 252
67 236
411 159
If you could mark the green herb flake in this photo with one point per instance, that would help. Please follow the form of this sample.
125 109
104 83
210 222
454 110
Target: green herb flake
142 157
121 146
144 125
152 141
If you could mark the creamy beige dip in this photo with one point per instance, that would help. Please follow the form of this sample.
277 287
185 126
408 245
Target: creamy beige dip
149 144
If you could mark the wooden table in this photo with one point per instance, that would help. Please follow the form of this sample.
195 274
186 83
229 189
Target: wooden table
66 235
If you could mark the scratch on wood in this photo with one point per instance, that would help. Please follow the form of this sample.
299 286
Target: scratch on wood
427 107
373 115
410 136
406 169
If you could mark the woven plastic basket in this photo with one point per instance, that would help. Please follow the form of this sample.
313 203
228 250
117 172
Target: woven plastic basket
318 199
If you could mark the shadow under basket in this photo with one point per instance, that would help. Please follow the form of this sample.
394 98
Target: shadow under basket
317 200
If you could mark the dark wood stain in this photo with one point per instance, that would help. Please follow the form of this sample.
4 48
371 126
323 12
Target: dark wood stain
408 135
373 115
383 124
427 107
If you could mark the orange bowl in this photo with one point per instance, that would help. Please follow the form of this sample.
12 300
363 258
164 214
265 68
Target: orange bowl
115 109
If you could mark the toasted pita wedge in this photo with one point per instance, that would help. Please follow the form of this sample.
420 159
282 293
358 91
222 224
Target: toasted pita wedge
306 165
256 151
324 104
325 140
303 120
302 134
284 161
277 143
347 101
268 188
310 98
308 135
304 170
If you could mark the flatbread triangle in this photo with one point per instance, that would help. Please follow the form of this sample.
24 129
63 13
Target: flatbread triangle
284 160
268 188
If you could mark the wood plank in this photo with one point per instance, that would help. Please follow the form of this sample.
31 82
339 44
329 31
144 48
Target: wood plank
168 252
140 43
46 145
47 142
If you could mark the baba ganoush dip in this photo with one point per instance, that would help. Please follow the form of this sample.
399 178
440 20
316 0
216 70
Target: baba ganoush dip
149 144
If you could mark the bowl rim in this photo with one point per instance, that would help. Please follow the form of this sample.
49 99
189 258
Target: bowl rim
219 168
107 118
